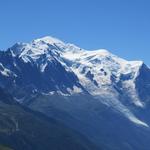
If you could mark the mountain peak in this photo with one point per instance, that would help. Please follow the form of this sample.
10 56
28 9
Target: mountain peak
48 40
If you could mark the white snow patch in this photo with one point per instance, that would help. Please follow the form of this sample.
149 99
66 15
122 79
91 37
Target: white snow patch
5 72
43 66
75 90
137 121
48 40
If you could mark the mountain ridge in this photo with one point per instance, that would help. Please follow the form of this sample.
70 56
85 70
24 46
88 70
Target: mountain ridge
97 72
48 74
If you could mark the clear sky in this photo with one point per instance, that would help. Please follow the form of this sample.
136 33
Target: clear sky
121 26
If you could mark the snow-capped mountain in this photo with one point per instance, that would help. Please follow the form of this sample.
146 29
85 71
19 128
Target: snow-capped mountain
46 69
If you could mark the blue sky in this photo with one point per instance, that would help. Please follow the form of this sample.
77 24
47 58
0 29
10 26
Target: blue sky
121 26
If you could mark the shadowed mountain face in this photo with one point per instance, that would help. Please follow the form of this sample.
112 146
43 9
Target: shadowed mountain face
23 129
96 93
143 84
4 148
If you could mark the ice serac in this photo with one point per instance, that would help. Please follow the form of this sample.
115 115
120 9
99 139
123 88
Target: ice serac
108 77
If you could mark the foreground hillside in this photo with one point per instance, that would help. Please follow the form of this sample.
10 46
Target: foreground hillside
22 129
